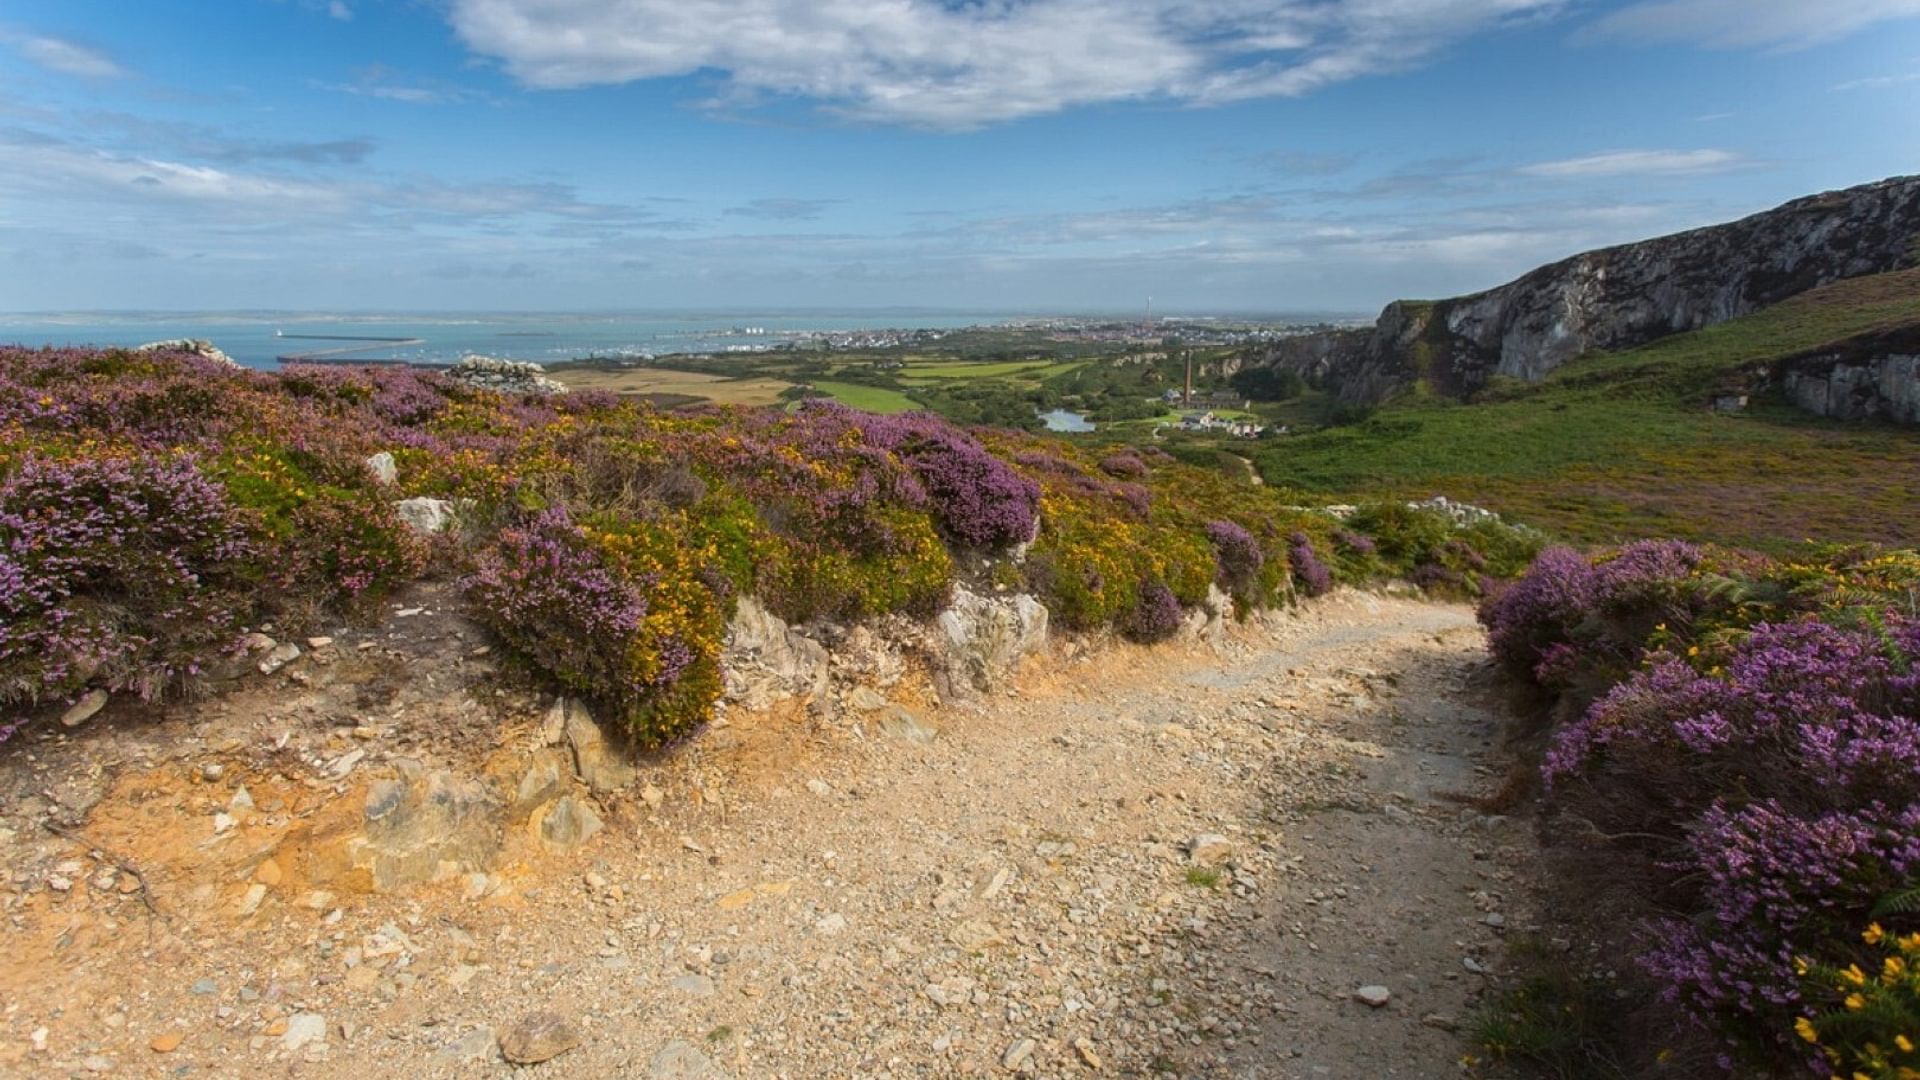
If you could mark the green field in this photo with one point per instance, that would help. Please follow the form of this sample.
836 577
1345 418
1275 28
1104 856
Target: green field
1008 369
1617 446
874 399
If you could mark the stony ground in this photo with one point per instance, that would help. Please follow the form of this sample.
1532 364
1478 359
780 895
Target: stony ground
1186 861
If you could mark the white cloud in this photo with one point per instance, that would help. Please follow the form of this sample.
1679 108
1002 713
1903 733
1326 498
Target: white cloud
944 65
1878 82
381 81
1749 23
339 10
65 57
1637 163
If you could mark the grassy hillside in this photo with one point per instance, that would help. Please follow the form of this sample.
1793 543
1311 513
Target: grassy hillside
1617 446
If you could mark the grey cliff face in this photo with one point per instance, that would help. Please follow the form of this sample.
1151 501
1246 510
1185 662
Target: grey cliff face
1622 297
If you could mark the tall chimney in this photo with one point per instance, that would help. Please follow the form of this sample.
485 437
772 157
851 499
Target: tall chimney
1189 397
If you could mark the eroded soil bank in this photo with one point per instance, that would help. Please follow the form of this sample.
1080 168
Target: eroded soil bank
1180 861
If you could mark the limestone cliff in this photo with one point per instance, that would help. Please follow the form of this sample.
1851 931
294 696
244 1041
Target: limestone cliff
1622 297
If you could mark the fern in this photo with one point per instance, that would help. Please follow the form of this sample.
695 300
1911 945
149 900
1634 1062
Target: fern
1900 902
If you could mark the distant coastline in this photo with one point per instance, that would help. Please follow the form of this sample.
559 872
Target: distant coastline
259 339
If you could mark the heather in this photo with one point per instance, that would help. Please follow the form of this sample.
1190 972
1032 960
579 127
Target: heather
1744 746
155 508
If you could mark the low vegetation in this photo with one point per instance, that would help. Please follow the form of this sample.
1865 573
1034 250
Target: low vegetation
1739 755
155 508
1615 447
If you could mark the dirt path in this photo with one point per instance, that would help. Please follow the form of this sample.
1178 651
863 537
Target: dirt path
1023 894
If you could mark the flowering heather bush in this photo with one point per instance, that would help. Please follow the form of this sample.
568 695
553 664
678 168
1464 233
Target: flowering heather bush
1312 575
1156 615
1773 886
1761 766
1123 465
1806 711
1532 623
611 614
1571 618
128 573
1239 555
1138 497
981 502
1357 543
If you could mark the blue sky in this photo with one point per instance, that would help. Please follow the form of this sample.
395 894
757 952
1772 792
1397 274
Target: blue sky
1218 155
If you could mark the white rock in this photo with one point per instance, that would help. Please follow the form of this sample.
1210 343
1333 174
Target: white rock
82 711
282 655
304 1028
384 470
1373 996
427 516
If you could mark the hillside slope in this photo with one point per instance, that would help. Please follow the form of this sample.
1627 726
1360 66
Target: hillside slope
1615 446
1622 297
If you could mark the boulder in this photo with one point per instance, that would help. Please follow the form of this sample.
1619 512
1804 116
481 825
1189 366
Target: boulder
904 725
766 661
1209 619
425 826
383 468
981 640
599 761
427 516
544 779
537 1037
566 824
83 710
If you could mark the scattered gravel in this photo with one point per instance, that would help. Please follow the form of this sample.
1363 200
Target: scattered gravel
1190 861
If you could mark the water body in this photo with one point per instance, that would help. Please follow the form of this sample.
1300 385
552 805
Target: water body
255 339
1062 420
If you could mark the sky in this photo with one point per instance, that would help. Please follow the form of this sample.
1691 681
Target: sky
1015 155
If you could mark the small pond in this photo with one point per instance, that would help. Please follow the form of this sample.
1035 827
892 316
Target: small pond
1062 420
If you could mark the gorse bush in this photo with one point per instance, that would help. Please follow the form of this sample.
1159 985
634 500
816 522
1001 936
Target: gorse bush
1755 768
617 613
1863 1017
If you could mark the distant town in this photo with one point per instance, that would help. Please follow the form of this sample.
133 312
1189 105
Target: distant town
1188 331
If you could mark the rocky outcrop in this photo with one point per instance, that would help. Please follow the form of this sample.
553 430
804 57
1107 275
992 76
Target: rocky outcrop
766 661
982 640
505 376
197 347
1620 297
1876 377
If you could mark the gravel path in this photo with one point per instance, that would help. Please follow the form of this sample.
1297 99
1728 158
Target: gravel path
1172 862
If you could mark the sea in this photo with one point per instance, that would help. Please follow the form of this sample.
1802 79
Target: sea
259 339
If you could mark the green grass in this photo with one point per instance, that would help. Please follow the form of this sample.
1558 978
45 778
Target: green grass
874 399
1204 877
1618 446
1004 370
